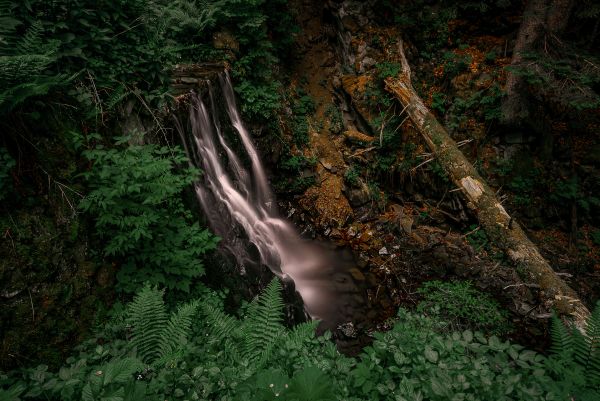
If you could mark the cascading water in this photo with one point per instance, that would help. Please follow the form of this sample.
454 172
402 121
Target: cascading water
232 198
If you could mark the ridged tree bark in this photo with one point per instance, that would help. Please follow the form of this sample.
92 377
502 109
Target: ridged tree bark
541 17
493 218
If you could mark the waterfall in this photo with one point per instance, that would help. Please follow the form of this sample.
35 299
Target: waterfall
237 201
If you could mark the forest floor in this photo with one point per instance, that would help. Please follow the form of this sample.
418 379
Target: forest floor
402 219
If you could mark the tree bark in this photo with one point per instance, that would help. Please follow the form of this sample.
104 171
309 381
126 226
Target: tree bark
493 218
515 107
539 17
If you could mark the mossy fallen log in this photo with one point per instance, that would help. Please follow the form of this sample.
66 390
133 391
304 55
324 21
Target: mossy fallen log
493 218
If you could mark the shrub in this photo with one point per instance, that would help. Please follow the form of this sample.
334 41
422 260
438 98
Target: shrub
135 196
462 306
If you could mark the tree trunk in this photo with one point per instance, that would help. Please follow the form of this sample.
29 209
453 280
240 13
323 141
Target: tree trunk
539 17
515 107
498 225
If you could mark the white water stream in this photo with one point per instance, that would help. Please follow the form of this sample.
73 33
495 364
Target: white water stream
232 197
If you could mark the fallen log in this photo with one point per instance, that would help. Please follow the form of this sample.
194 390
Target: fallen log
499 226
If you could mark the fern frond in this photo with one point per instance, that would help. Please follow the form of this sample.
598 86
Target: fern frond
31 42
148 317
301 334
562 339
263 326
593 347
121 370
117 95
177 330
220 324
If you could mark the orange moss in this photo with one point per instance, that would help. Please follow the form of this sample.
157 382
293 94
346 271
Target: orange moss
331 206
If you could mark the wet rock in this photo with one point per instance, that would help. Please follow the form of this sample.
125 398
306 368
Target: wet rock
350 24
357 274
347 329
359 195
326 164
365 64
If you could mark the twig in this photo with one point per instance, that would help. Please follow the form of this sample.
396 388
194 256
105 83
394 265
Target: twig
97 96
472 232
156 120
360 152
7 234
130 28
528 285
422 164
32 308
463 143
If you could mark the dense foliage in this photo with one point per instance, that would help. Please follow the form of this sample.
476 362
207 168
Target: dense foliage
136 197
95 57
127 49
144 354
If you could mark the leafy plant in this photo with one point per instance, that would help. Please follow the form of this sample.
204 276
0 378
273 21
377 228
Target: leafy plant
24 61
352 175
462 306
258 358
291 170
572 190
156 337
387 69
576 358
336 121
135 195
413 362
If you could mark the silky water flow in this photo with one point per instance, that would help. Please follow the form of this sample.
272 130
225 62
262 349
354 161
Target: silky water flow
240 208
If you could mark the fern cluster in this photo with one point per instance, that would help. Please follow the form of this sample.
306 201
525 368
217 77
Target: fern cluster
24 60
576 358
158 355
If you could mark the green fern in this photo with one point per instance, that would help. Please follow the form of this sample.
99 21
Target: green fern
110 381
220 324
175 333
24 62
156 337
116 96
581 350
12 393
302 333
562 339
263 326
587 348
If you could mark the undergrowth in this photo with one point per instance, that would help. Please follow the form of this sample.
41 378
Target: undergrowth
199 352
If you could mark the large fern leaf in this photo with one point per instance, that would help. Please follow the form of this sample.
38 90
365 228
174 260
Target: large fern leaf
175 333
562 339
220 325
302 333
148 317
589 348
263 326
